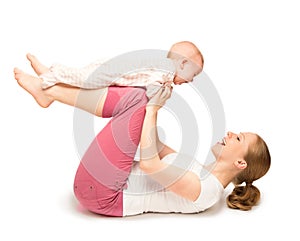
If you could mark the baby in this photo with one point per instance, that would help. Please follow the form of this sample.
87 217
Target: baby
183 62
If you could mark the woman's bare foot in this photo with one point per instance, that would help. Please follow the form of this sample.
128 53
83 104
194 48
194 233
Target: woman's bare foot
33 86
37 66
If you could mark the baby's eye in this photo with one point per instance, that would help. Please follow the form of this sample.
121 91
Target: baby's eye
238 138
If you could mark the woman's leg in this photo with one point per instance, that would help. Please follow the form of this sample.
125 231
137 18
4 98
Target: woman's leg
104 168
89 100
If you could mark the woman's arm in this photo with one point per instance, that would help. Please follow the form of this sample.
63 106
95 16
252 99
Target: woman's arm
181 182
163 149
150 159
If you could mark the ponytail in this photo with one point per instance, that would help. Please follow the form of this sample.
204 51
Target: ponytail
243 197
258 163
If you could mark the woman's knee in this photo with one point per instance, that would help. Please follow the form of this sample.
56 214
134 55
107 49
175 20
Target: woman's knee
139 96
128 100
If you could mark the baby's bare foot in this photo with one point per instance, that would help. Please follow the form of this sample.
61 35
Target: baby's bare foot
33 86
37 66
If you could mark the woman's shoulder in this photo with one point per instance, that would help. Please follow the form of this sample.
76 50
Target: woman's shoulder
211 189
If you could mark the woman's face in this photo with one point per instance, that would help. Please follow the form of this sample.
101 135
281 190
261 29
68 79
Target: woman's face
233 146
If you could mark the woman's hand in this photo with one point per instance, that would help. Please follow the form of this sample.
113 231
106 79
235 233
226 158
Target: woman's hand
160 98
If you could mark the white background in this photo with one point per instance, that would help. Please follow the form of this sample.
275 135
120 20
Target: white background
251 51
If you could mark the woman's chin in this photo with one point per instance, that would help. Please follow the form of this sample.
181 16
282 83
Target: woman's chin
217 149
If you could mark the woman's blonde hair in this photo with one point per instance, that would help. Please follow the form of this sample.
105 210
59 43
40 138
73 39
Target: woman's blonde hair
258 159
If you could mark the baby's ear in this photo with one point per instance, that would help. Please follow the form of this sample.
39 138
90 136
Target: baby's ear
183 61
240 164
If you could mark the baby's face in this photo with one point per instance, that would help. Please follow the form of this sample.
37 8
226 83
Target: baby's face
186 70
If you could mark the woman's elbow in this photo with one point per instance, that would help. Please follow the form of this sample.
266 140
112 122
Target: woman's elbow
148 166
144 165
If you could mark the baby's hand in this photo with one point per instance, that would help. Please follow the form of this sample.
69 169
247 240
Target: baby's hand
168 84
165 80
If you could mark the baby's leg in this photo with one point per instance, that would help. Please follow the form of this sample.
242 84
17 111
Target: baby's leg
61 74
89 100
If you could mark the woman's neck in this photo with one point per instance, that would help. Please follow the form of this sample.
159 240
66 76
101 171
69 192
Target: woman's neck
222 172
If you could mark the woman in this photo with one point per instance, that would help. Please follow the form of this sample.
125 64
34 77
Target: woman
107 180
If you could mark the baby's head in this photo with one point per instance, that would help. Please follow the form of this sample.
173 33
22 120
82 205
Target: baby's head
188 61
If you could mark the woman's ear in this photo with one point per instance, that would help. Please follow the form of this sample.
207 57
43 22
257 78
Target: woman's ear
241 164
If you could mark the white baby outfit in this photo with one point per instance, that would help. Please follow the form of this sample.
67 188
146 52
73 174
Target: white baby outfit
150 73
